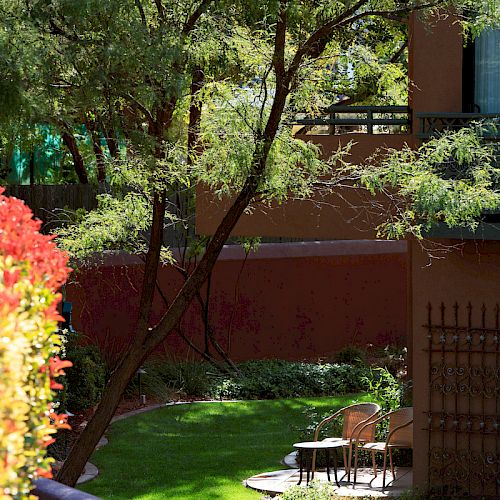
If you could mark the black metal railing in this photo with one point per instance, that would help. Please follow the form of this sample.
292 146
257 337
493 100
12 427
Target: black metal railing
358 119
431 124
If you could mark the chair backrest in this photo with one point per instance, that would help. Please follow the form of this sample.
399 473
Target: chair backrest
357 413
404 436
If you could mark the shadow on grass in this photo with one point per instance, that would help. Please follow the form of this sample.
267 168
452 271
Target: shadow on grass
201 450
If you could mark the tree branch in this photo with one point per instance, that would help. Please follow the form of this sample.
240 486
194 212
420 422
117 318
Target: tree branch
136 104
141 12
161 12
57 30
193 18
399 53
316 43
280 41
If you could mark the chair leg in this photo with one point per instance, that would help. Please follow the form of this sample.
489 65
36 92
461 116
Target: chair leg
385 467
346 467
355 465
313 460
392 464
374 464
350 462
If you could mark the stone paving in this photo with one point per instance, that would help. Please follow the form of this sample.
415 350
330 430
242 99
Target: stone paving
366 486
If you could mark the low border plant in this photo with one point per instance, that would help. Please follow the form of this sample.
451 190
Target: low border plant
262 379
272 379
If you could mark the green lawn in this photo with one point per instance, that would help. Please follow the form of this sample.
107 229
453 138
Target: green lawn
201 450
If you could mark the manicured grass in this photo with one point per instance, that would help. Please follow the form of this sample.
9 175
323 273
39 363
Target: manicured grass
201 450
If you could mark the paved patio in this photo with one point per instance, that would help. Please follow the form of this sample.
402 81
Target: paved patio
367 484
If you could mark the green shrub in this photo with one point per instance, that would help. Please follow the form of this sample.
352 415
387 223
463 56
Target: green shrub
85 380
387 389
272 379
313 491
351 355
165 378
262 379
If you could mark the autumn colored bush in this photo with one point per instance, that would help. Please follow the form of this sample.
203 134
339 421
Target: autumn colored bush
31 271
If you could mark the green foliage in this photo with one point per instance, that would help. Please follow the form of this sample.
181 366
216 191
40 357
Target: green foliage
270 379
452 179
264 379
116 224
85 380
385 388
232 119
351 355
165 379
314 491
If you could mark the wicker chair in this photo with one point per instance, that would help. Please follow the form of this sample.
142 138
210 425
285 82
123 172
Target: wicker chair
355 418
400 436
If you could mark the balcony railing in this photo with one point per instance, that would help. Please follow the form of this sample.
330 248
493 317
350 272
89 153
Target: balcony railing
356 119
432 124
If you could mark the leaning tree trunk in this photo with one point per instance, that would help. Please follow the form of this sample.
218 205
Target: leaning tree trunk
146 340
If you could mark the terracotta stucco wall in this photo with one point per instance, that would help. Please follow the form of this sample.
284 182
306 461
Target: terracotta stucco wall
468 274
435 65
347 214
293 301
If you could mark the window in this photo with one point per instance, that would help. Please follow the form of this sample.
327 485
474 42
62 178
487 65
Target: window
487 72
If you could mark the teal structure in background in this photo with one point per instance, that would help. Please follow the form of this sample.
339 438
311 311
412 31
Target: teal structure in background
47 155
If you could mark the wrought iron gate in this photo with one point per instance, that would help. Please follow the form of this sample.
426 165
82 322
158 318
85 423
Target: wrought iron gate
464 400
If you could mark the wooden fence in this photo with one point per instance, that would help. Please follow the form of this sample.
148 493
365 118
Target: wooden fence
48 202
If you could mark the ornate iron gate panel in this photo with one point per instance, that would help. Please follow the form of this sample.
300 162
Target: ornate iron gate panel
464 398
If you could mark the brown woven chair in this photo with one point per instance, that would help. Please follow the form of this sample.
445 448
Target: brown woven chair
355 418
400 436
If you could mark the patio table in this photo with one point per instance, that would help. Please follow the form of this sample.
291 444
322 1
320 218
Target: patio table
317 446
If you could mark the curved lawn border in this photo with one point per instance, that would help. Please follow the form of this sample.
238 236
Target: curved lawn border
91 471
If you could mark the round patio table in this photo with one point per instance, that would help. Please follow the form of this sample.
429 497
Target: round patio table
317 446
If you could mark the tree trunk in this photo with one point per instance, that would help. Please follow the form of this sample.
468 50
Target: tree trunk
112 142
146 339
32 168
98 152
70 142
129 362
197 82
88 439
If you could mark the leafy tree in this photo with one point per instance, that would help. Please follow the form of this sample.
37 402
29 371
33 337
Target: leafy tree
453 179
200 90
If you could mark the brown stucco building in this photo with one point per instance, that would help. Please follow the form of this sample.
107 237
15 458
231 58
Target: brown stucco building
452 302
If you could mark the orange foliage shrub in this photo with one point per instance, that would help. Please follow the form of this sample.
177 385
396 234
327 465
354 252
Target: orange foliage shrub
31 271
